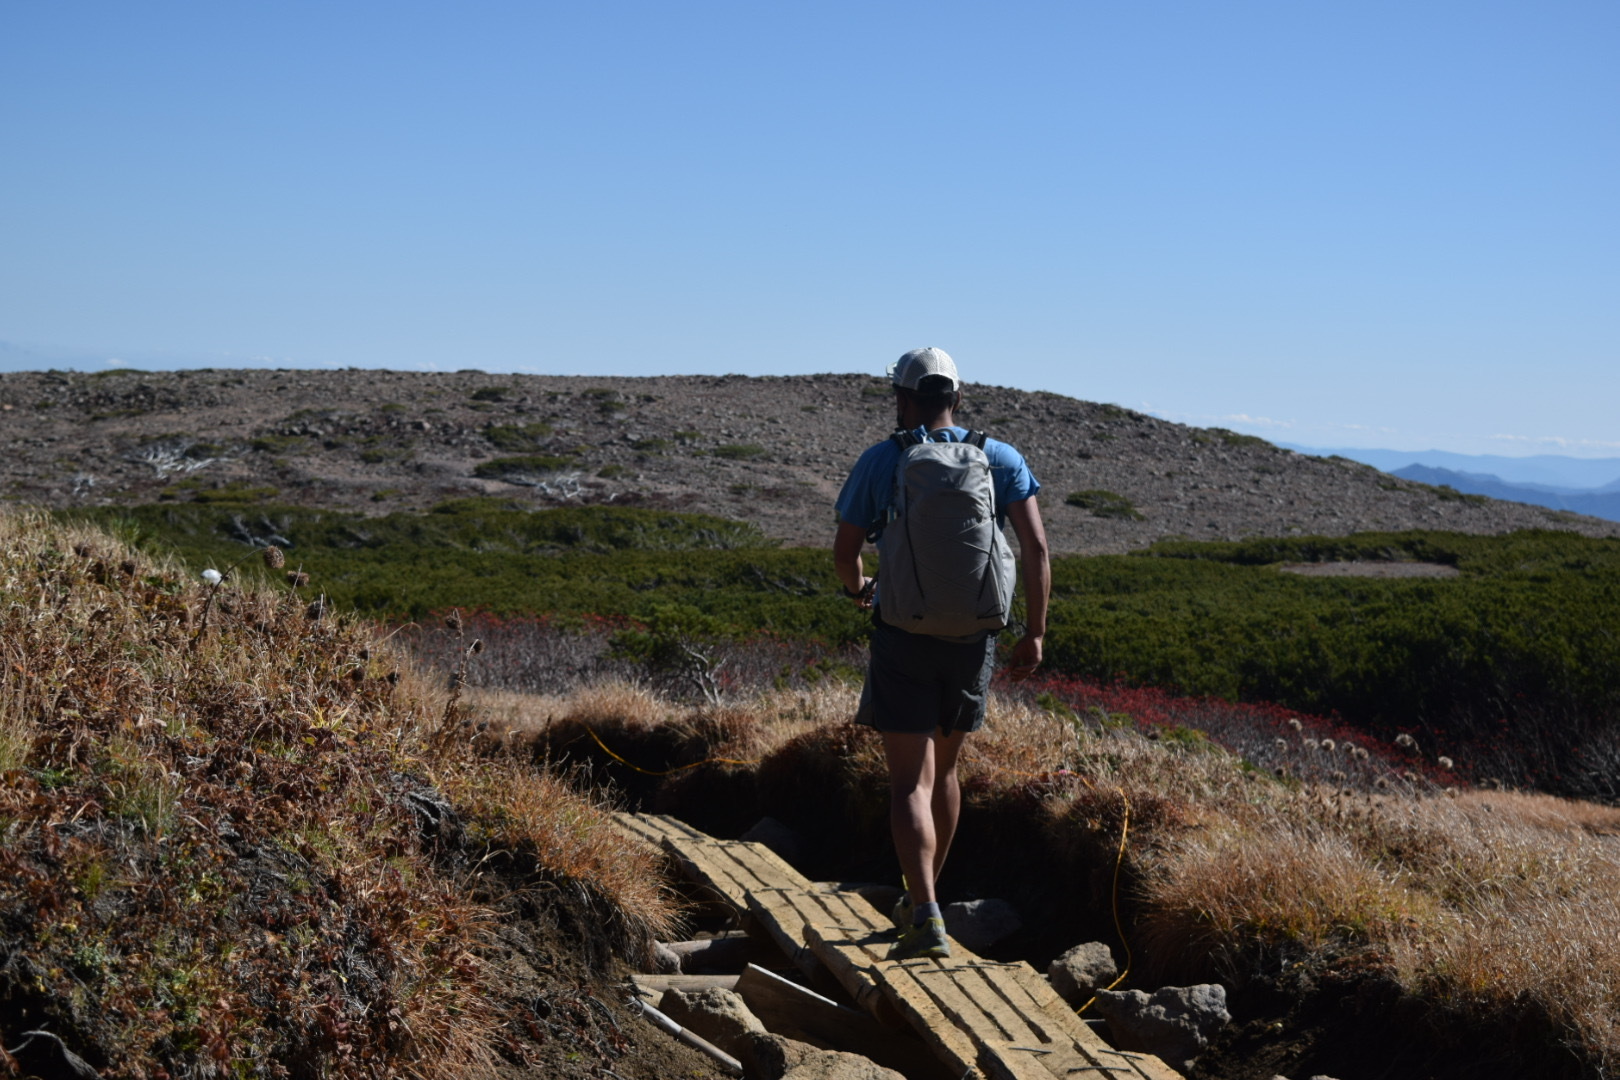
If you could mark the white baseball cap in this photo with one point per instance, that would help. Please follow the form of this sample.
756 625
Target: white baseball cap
910 370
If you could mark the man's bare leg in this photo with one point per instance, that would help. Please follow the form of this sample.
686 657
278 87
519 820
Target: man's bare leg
945 803
925 803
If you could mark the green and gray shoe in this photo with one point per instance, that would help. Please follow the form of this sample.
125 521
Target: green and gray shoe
926 939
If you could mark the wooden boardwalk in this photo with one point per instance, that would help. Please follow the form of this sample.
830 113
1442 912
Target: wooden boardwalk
982 1019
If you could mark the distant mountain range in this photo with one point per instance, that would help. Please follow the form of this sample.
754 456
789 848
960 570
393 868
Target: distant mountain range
1581 485
1570 474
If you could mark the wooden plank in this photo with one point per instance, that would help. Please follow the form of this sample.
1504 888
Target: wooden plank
1041 997
798 1012
968 980
1144 1065
956 1005
1003 1019
695 859
655 985
848 959
778 918
633 826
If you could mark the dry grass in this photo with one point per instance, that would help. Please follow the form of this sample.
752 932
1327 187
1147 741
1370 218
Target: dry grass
1483 902
258 845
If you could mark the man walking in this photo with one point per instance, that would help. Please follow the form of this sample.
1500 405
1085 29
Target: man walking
936 512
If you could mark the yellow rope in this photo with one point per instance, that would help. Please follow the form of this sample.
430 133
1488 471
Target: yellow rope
1119 926
665 772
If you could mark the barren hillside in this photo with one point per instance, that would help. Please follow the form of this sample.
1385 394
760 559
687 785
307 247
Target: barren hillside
770 450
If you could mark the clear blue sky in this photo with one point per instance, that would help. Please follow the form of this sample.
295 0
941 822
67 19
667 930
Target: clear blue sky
1337 224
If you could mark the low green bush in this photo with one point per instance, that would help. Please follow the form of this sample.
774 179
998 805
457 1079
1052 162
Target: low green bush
516 438
1104 504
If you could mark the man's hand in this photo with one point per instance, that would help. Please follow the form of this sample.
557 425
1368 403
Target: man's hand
863 595
1025 657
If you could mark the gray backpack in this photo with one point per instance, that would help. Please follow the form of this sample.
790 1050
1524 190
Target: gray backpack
947 569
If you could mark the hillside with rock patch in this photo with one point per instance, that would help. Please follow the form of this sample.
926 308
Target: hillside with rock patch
770 450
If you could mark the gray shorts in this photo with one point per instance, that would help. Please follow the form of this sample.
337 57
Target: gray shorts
918 684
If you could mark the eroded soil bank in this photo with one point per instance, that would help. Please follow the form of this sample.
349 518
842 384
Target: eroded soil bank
1295 1014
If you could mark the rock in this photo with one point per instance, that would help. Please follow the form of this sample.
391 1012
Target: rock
1082 971
1175 1023
772 1057
776 836
718 1015
979 924
44 1055
664 960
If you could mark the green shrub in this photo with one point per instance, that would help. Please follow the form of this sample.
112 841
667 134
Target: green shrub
1447 493
491 393
517 438
1226 438
279 444
1104 504
1520 637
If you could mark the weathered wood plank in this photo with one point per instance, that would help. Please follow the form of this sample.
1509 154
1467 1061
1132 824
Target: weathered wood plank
969 980
1038 997
953 1045
634 826
850 961
976 1017
655 985
800 1013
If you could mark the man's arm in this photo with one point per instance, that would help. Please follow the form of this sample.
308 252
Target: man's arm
1025 516
847 558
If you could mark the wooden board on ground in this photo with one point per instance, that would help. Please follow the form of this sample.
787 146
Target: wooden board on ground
798 1012
979 1018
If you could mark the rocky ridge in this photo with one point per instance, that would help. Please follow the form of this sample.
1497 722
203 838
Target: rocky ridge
770 450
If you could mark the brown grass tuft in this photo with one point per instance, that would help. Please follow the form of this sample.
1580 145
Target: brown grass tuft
226 854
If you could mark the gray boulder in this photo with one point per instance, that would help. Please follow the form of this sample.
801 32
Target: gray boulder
772 1057
1081 972
979 924
717 1015
1174 1023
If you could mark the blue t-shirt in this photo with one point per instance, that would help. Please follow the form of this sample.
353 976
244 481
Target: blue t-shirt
870 486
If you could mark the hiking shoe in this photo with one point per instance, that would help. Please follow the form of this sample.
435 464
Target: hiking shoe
904 913
926 939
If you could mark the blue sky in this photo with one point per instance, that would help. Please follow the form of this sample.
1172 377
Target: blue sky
1332 224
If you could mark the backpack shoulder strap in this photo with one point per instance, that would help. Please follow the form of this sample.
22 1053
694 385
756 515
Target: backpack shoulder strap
976 438
905 439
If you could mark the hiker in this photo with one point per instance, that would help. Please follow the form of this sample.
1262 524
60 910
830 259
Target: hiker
935 498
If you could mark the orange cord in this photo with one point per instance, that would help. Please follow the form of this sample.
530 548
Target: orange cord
665 772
